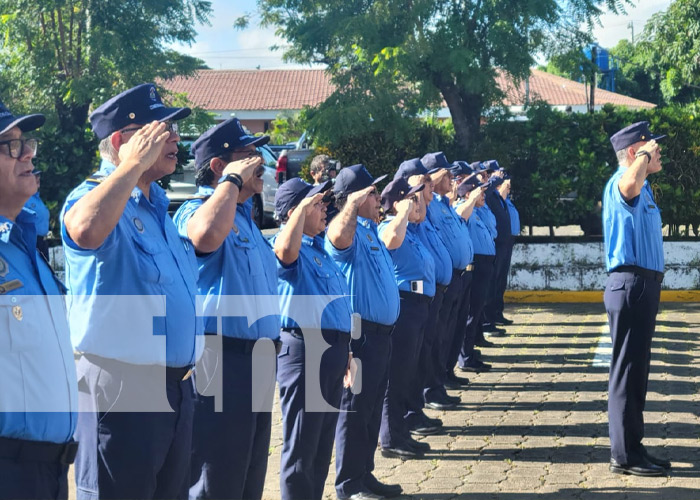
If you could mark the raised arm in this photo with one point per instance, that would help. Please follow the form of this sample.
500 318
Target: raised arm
395 231
465 209
341 230
288 242
632 180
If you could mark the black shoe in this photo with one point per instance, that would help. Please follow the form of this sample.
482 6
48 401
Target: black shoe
404 453
452 399
386 490
425 429
645 469
503 321
484 343
494 331
454 382
364 495
661 462
477 367
433 422
419 446
439 405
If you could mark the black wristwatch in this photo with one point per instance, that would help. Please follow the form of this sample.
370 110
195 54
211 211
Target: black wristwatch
233 178
643 153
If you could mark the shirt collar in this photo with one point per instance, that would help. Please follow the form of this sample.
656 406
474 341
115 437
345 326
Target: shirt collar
25 224
205 190
368 223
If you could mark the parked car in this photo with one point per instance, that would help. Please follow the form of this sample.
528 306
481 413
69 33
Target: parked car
182 187
291 156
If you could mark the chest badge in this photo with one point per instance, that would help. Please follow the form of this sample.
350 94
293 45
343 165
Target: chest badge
369 237
138 224
4 268
317 261
17 313
244 239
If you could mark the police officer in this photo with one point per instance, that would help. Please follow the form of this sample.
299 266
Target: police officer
502 283
417 421
230 448
635 260
132 307
414 271
307 276
36 205
38 390
484 255
353 242
454 234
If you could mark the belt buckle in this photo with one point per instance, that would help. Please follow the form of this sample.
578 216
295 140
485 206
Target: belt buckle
187 375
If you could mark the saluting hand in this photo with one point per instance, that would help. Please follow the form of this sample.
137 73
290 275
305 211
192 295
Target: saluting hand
145 146
309 204
404 206
246 167
358 197
654 164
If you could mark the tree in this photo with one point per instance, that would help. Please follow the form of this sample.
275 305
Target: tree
429 50
61 57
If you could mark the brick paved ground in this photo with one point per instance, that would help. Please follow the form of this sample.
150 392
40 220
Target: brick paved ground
536 425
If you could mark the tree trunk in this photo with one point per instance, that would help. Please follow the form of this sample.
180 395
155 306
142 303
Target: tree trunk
465 110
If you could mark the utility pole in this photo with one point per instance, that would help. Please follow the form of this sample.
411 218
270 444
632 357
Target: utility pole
594 60
630 25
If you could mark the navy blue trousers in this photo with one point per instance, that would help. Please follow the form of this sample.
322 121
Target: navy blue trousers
230 448
357 432
31 480
632 303
493 310
308 435
416 401
447 319
460 331
482 275
405 352
127 454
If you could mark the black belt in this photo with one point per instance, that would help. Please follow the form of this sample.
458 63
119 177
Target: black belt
440 288
244 346
417 297
371 326
461 272
181 374
483 258
330 336
38 451
171 373
640 271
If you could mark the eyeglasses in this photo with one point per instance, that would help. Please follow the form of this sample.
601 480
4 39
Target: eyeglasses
248 153
169 126
14 148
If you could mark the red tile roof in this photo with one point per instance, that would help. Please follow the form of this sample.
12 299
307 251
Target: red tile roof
258 90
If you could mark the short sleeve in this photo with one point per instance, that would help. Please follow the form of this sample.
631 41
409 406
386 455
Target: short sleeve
183 215
631 205
71 200
344 255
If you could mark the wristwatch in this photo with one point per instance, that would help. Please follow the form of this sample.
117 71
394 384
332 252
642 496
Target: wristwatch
643 153
233 178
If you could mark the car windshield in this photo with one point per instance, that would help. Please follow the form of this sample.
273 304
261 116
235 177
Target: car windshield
268 156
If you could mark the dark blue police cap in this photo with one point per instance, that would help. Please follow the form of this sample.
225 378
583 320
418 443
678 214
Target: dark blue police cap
435 161
397 190
290 194
409 168
491 165
495 181
139 105
354 178
460 168
25 122
227 136
631 134
469 184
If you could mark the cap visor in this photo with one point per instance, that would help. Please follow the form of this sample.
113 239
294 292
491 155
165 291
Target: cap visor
657 137
379 179
173 114
321 188
415 189
433 170
26 123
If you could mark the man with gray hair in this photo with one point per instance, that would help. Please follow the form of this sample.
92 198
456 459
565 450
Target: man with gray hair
318 168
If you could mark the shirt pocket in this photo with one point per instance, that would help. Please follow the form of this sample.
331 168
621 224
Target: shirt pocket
22 322
246 247
652 214
150 265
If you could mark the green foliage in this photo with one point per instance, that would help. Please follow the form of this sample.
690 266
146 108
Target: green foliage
399 58
286 128
63 57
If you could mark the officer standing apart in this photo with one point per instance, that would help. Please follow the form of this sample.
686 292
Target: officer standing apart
353 242
307 278
38 390
132 307
634 258
230 447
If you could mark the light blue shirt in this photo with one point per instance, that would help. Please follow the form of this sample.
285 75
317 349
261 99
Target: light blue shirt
42 214
453 231
369 272
489 219
443 262
315 274
514 217
631 230
38 387
133 298
243 266
482 235
412 261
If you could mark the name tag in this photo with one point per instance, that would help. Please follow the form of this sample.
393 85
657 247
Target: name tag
653 207
10 285
376 249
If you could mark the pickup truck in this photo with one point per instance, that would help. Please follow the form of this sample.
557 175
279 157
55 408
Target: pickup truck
291 156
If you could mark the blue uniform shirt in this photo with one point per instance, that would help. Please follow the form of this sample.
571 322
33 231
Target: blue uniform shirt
514 217
42 214
452 230
631 231
38 388
412 261
482 234
369 272
133 298
244 266
443 262
314 273
489 219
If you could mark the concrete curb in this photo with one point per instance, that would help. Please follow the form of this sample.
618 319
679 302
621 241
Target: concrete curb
566 296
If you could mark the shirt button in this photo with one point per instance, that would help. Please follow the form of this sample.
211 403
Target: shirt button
14 300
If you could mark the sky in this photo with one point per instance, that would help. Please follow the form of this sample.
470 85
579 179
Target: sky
223 47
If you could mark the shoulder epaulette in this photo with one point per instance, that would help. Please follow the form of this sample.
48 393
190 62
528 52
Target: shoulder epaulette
95 179
204 197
